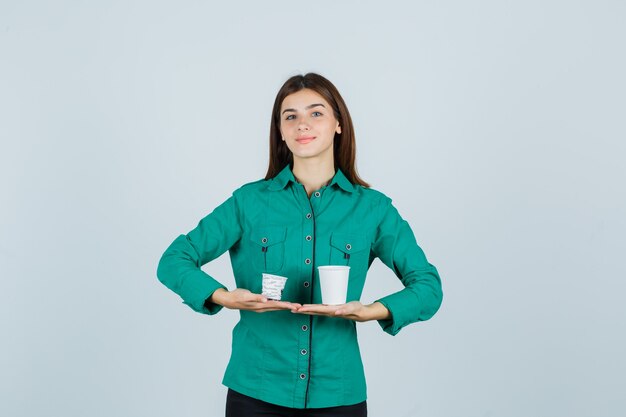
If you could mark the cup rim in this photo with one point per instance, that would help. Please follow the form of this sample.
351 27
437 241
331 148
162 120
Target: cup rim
266 275
334 267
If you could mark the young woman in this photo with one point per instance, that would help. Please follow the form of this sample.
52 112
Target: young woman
301 358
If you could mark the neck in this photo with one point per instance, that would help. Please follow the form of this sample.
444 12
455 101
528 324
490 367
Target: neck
313 174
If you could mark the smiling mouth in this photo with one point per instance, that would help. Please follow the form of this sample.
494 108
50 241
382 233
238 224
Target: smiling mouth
306 139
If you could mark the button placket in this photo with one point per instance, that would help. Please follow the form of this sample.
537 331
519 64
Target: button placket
304 362
308 237
303 353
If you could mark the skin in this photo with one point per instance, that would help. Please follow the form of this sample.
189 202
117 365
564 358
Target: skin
306 114
303 114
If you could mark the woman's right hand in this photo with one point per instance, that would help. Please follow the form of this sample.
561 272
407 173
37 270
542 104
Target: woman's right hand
242 299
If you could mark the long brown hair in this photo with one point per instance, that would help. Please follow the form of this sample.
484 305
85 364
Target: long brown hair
344 147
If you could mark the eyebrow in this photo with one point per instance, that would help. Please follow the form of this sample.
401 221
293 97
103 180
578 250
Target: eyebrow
310 106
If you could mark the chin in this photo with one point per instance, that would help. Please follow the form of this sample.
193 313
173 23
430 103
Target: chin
305 156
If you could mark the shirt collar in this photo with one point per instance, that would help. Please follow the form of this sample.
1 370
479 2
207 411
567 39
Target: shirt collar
283 178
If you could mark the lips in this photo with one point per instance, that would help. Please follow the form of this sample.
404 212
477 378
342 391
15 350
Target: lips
305 139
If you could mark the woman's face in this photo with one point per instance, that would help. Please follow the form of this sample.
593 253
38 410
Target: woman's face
308 125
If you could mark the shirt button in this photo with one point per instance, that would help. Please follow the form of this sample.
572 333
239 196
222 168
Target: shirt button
264 240
303 351
306 284
308 215
309 237
307 261
317 194
305 328
348 246
302 376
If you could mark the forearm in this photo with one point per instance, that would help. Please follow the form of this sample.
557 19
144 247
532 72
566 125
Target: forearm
418 301
179 270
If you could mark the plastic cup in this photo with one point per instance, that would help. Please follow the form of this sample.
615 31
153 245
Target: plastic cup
273 286
334 283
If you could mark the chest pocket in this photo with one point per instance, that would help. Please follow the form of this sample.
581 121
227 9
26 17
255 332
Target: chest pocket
268 247
348 249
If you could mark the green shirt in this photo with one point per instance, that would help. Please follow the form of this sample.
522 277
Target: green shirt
272 226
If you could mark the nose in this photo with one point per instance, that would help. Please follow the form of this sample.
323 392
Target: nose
303 126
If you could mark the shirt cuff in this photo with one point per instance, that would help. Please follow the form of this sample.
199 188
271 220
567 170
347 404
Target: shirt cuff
401 316
199 288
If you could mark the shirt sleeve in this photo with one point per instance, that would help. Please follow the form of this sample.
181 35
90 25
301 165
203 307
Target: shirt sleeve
397 248
179 267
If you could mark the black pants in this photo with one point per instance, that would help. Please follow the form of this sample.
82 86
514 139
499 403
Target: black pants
239 405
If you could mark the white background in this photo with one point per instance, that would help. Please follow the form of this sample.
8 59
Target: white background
497 127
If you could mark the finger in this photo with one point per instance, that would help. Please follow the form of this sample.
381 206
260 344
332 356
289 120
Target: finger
268 308
284 305
309 313
317 312
333 306
318 308
311 306
271 305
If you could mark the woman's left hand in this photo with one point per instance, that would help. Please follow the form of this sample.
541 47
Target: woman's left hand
353 310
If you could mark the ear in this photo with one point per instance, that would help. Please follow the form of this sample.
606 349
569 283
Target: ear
338 130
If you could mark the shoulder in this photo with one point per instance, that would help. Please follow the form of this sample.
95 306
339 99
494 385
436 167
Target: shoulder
253 186
375 197
379 203
251 189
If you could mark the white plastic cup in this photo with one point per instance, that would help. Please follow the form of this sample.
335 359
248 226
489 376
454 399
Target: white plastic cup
334 283
273 286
